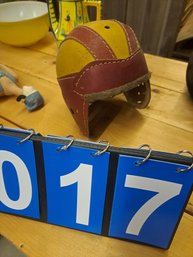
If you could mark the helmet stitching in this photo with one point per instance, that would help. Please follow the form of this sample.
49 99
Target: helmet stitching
102 40
102 63
127 36
86 46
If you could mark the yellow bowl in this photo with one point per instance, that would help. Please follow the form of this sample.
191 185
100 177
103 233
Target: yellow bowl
23 23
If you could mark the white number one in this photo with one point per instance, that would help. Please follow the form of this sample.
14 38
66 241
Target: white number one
83 177
24 182
165 191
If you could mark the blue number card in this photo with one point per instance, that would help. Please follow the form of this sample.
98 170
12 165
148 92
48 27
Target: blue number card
76 186
148 200
109 191
18 178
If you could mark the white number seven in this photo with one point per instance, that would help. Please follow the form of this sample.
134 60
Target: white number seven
165 191
83 177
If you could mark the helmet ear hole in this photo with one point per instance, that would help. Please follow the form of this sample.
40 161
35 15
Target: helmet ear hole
107 27
139 97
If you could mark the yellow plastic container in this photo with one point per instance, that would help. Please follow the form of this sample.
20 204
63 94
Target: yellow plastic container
72 13
23 23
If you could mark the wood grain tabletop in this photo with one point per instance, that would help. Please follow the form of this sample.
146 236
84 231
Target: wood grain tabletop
166 125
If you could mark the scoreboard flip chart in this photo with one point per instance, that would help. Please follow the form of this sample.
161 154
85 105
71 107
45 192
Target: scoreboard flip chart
131 194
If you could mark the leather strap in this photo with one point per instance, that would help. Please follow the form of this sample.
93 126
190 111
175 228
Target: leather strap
93 42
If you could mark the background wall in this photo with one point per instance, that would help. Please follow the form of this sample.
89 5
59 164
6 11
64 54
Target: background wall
155 22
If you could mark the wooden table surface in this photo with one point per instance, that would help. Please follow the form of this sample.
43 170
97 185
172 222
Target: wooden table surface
166 125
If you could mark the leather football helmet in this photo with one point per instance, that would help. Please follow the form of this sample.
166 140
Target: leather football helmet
98 60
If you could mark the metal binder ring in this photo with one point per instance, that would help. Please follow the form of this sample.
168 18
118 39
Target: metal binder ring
65 147
147 157
1 126
188 168
104 150
28 137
